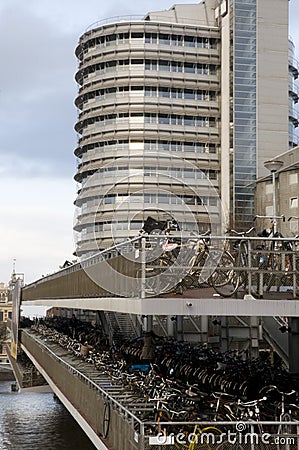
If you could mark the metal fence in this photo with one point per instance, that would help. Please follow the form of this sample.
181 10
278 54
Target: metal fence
151 265
263 265
114 423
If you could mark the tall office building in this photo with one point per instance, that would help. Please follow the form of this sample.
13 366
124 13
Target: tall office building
177 109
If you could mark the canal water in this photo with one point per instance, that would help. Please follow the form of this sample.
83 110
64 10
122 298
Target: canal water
37 421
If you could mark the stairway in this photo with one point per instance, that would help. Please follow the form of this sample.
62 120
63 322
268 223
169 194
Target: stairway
121 326
277 340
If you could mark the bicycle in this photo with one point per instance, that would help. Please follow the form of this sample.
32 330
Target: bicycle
228 278
284 416
276 258
195 255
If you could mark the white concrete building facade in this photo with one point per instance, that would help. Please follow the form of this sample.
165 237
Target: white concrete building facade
177 110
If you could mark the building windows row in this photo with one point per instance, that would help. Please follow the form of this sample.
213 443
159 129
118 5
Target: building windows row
152 118
173 173
174 119
186 94
170 199
176 146
151 145
176 40
176 66
151 64
137 225
153 91
108 226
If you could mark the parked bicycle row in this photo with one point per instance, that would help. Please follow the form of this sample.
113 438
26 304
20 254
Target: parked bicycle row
252 262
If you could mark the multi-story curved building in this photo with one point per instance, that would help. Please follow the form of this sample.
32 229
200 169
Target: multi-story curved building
149 126
175 111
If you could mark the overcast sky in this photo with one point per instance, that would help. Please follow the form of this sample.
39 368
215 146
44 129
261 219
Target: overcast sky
37 115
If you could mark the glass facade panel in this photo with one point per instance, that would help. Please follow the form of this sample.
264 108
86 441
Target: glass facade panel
243 26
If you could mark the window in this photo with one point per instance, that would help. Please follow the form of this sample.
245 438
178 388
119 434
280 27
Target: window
294 226
269 188
189 41
189 94
151 92
176 40
110 39
164 92
150 65
164 65
137 35
109 199
294 202
123 37
135 225
189 68
164 119
293 178
189 121
164 39
151 38
212 175
213 201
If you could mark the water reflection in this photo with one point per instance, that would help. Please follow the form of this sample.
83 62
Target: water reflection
37 421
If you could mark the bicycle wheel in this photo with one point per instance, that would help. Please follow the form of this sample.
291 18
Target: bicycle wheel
225 280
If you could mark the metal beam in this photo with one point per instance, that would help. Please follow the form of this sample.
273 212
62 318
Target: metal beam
214 306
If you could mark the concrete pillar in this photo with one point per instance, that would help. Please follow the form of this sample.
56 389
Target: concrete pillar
204 328
170 326
147 323
180 328
254 337
224 336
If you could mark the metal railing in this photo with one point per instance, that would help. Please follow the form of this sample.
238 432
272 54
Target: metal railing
103 255
271 263
104 394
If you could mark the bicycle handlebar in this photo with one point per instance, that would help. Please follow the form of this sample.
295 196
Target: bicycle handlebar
293 217
252 402
241 233
271 387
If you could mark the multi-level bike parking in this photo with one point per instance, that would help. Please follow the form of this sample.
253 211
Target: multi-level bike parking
187 389
183 382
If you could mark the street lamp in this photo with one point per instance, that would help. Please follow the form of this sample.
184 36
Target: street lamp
274 166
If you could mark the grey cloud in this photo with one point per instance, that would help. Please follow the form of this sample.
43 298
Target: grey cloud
37 92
